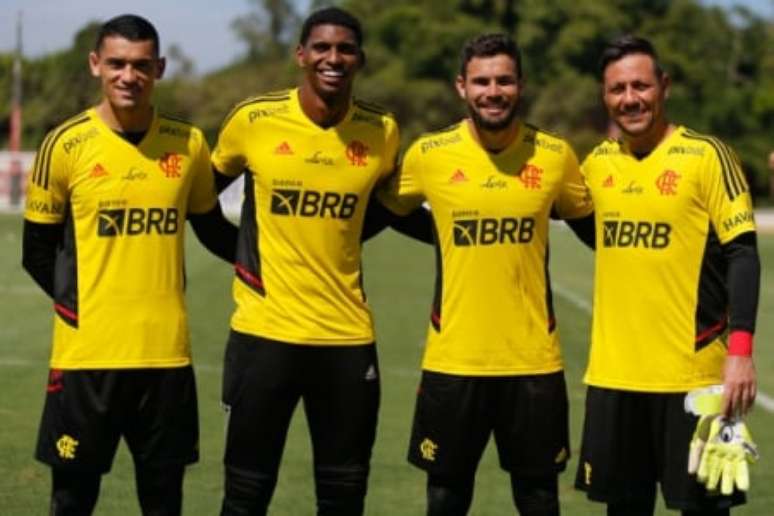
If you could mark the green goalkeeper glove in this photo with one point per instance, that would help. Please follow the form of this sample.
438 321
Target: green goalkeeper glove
706 403
727 450
698 443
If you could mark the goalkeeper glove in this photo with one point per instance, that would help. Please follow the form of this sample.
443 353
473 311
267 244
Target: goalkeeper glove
698 442
707 401
727 450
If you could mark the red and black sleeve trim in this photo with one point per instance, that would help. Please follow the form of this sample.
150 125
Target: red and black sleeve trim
66 275
248 260
712 298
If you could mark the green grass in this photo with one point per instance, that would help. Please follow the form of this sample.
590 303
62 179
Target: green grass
399 278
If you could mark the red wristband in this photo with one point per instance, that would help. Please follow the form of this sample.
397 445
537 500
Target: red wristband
740 343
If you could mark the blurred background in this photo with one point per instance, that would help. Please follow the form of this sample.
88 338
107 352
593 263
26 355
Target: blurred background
719 53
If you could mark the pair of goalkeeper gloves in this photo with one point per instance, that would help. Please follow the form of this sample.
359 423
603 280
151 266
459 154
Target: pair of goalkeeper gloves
721 448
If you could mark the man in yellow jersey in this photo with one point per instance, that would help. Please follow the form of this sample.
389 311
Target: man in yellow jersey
675 293
104 225
492 362
302 329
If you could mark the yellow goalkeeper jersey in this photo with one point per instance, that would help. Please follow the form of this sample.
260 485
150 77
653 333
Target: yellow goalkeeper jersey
660 298
119 276
492 313
298 272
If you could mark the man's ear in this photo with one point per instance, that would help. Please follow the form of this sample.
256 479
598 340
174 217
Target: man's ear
161 65
94 63
459 83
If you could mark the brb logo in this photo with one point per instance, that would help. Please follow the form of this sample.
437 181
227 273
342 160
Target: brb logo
487 231
629 233
311 203
137 221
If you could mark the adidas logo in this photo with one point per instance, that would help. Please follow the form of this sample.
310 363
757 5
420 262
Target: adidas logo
283 149
458 177
608 183
98 171
371 373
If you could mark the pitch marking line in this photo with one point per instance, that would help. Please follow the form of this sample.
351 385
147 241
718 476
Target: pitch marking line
762 399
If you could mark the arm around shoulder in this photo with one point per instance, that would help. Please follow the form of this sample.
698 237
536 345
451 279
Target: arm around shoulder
417 224
215 232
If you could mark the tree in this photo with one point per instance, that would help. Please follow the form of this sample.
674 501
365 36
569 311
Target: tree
721 63
267 29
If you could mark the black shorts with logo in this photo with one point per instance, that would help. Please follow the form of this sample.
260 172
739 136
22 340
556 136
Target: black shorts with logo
455 415
87 411
263 381
631 441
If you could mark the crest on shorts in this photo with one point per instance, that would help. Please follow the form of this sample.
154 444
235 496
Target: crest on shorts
66 446
428 448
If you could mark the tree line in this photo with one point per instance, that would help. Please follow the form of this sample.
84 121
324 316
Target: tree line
721 63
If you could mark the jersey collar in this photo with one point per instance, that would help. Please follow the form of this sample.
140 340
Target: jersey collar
92 112
663 144
467 134
296 105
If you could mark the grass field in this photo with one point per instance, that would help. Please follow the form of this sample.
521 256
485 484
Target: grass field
399 278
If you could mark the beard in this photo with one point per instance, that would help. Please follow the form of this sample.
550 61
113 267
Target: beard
489 124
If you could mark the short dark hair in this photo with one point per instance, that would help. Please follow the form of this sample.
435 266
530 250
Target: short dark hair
331 16
625 45
128 26
490 45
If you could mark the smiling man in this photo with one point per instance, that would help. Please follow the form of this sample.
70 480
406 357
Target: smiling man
302 329
492 361
104 237
675 293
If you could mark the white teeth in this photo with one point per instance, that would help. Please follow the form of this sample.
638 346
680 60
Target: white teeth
332 73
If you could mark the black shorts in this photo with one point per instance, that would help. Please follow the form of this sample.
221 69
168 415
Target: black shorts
87 411
633 440
455 415
263 380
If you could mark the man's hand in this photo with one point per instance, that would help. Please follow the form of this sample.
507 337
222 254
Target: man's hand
739 385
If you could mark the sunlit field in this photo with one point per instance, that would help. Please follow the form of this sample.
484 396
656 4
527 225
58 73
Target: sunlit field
399 277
